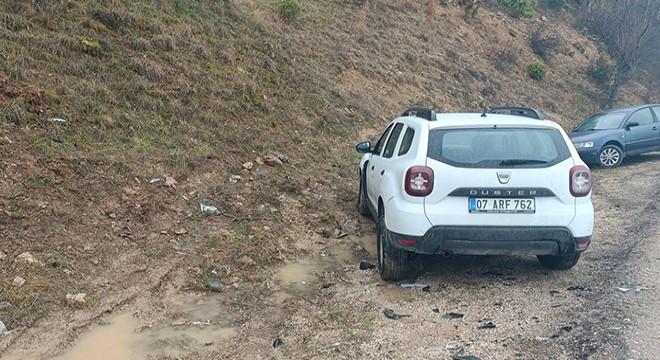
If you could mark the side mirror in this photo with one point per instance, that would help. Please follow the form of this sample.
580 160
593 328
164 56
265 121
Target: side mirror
632 124
364 147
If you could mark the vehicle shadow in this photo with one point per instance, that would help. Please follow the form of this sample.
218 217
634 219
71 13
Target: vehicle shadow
479 270
638 159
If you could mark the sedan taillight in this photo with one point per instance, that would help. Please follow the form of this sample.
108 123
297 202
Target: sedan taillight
419 181
580 181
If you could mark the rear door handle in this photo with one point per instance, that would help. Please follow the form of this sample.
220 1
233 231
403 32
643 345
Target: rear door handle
655 128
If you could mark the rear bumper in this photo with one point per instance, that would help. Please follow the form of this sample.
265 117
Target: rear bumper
493 240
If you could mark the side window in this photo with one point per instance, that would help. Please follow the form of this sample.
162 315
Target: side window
656 110
391 143
643 117
381 141
407 141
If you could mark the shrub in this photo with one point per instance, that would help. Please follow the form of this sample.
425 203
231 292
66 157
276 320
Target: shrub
518 8
542 43
506 59
289 9
601 71
537 70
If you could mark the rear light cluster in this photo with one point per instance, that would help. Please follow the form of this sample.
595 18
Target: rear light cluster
419 181
580 181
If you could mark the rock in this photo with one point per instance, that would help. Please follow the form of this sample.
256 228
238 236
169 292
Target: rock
259 161
235 178
169 181
180 231
2 256
248 165
18 281
272 160
5 305
27 259
3 328
246 260
76 301
179 322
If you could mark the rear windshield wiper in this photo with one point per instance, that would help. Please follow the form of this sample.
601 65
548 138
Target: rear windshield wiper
521 162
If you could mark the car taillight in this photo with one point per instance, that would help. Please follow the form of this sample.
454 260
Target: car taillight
419 181
580 181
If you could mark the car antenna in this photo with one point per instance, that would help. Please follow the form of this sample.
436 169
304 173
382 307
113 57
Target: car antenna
483 107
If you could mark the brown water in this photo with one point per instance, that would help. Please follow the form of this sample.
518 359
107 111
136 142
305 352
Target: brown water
126 338
368 242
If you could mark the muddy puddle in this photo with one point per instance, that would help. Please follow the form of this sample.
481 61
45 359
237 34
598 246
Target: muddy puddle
298 276
197 323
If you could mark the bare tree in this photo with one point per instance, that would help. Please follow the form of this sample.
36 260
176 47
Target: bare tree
631 31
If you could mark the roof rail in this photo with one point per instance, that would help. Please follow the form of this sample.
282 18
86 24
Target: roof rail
518 111
424 113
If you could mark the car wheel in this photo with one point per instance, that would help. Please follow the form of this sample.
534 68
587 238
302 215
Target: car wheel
610 156
559 262
391 261
362 195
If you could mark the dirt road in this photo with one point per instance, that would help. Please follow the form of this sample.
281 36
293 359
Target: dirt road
323 306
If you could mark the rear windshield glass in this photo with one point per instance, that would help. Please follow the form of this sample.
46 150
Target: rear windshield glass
498 147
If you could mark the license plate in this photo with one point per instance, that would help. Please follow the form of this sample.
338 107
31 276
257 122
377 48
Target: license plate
502 205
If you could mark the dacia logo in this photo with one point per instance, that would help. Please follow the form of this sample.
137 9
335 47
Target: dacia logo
503 177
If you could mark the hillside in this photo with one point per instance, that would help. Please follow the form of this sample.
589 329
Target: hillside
119 119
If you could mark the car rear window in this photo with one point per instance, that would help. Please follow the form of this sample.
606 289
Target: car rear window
498 147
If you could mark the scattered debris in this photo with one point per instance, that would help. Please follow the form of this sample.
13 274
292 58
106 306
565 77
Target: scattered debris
208 208
333 346
27 259
154 180
76 301
338 234
278 343
452 315
566 328
57 120
575 287
235 178
283 158
425 288
392 315
623 289
519 338
3 328
2 256
436 310
542 338
556 304
366 266
248 165
215 284
18 281
180 231
465 357
487 325
554 292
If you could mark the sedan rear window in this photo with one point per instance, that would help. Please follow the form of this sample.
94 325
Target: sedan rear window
498 147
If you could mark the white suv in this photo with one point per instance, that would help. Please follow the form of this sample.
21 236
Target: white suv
477 184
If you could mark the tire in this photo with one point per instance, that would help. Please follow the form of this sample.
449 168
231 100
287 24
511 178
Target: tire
559 262
610 156
391 261
362 207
